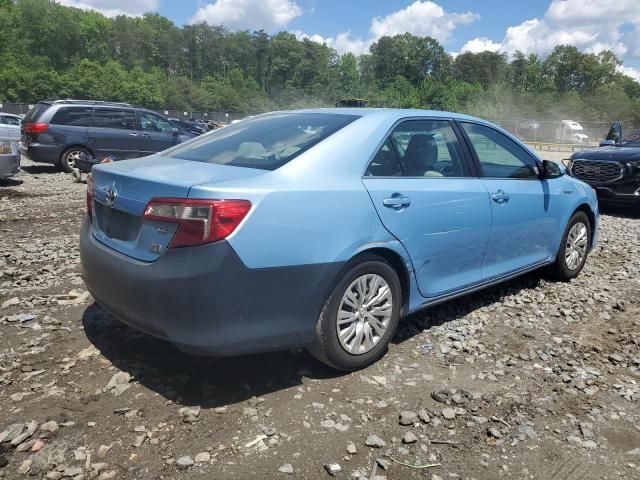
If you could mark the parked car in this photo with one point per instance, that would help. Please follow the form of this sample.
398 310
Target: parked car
60 131
9 159
10 127
189 127
613 169
322 228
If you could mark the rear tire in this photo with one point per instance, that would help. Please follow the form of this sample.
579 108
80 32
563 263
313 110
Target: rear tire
360 316
574 249
69 157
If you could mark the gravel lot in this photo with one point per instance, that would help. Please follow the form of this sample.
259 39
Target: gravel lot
531 379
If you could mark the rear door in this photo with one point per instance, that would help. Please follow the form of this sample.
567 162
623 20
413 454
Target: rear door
427 195
523 205
69 125
156 133
114 133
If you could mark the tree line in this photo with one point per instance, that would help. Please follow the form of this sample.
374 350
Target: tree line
51 51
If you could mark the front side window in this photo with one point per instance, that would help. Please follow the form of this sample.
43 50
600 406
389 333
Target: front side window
150 122
73 116
499 156
266 142
429 148
120 118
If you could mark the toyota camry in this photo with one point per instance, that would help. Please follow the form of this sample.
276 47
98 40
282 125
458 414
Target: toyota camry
323 228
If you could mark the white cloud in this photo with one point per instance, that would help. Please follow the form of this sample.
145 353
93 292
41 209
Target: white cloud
342 43
422 18
630 72
248 14
111 8
589 25
481 44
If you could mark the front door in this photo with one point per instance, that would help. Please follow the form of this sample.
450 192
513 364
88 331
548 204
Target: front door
523 224
156 133
423 190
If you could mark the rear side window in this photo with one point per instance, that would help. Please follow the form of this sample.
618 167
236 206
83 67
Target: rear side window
33 114
266 142
120 118
429 148
73 116
385 163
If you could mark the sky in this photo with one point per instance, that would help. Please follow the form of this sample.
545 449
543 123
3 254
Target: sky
532 26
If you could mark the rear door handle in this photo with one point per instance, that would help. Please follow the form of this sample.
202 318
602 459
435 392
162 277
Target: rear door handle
500 197
397 201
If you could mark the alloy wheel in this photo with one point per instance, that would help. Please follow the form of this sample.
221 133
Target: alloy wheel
364 314
73 156
576 246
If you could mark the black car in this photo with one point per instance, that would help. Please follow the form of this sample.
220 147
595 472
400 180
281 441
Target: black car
64 132
189 127
613 170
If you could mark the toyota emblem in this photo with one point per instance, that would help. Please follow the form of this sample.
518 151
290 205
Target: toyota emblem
112 194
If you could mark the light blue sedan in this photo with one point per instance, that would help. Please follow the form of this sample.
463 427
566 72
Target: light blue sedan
323 228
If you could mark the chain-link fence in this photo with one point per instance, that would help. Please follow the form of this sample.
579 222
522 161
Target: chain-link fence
569 132
572 134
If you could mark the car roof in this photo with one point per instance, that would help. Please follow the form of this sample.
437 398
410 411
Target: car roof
391 113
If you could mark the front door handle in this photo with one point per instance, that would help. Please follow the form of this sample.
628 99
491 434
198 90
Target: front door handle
500 197
397 201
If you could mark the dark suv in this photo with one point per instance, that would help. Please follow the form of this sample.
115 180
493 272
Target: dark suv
65 131
613 170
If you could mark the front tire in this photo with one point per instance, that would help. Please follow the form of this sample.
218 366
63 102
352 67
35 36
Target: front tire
360 316
69 158
574 249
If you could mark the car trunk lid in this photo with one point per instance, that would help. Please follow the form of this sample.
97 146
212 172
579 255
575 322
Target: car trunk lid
122 190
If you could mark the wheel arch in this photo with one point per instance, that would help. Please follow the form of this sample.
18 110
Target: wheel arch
584 207
399 266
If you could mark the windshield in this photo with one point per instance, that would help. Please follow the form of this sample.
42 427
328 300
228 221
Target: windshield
266 142
631 140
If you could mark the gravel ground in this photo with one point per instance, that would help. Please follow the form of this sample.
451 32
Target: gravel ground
531 379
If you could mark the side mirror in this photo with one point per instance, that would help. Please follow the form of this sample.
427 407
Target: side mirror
551 170
607 143
175 131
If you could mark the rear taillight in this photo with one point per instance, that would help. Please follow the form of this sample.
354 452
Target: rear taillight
89 195
35 127
199 221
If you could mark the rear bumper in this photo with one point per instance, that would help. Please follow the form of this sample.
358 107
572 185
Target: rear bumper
205 300
41 152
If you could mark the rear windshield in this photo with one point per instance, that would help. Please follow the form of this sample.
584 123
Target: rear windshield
33 114
266 142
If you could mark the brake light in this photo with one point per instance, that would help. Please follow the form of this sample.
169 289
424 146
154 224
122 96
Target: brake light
36 127
199 221
89 195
